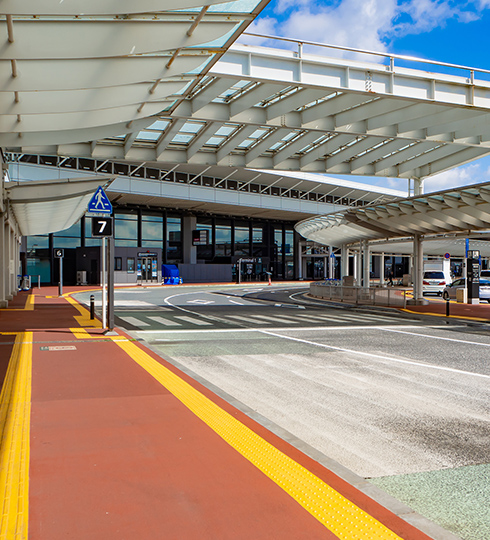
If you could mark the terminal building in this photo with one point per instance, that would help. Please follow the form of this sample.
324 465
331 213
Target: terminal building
219 156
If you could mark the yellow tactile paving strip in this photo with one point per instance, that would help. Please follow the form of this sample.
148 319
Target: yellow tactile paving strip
83 319
337 513
29 305
15 412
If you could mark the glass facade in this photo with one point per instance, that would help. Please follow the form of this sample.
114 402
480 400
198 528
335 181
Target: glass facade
271 244
126 230
205 253
151 231
242 239
174 240
223 238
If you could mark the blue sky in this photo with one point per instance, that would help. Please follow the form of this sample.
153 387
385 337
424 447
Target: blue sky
444 30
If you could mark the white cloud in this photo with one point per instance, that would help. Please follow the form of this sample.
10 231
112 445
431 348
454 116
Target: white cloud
475 173
364 24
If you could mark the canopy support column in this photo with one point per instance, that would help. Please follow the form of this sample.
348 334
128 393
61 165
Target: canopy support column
418 271
366 264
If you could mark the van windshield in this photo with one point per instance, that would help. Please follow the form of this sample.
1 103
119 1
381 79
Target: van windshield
434 275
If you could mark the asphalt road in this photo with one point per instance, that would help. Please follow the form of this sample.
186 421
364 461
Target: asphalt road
401 400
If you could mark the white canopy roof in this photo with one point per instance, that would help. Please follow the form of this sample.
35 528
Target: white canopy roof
455 210
85 69
45 207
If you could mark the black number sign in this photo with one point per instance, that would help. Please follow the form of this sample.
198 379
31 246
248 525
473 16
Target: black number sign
101 226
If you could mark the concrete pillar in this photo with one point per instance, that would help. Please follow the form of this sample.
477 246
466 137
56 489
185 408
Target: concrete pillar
358 265
331 263
344 261
301 246
189 252
418 186
4 264
12 271
382 269
418 271
366 264
325 268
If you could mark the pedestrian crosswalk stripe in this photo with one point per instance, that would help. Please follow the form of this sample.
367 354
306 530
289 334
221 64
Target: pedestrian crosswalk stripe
165 322
247 319
134 321
275 318
198 322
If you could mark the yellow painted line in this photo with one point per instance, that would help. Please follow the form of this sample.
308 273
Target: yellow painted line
15 412
30 303
83 319
466 317
333 510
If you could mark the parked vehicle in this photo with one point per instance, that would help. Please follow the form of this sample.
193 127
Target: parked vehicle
450 290
434 282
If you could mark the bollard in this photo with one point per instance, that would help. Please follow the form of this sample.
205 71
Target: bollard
447 307
92 307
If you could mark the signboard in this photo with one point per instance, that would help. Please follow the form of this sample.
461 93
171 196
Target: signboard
59 253
102 226
200 238
147 254
99 204
447 256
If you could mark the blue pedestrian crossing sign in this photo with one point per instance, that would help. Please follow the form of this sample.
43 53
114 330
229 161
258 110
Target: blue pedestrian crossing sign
100 204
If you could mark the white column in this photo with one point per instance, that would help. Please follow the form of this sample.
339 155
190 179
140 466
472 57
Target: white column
382 269
12 290
4 264
189 252
358 265
331 263
418 186
418 257
325 268
300 260
367 264
344 261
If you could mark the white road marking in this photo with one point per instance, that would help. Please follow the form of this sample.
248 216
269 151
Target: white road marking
165 322
200 302
375 356
238 303
278 329
192 320
286 320
437 337
134 321
247 319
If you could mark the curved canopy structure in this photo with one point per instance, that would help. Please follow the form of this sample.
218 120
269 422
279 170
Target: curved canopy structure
68 68
451 211
265 108
45 207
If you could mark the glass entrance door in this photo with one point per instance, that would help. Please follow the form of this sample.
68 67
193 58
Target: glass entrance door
147 269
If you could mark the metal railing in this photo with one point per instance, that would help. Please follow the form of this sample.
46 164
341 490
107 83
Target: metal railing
390 58
367 296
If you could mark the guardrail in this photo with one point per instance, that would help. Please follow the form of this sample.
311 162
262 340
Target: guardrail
372 296
385 58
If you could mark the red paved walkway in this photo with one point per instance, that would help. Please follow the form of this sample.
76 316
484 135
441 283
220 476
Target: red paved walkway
114 453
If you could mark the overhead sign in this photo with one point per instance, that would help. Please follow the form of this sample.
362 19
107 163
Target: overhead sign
102 226
200 237
100 204
59 253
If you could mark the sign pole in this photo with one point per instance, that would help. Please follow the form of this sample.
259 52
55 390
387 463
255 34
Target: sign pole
60 288
110 284
104 285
